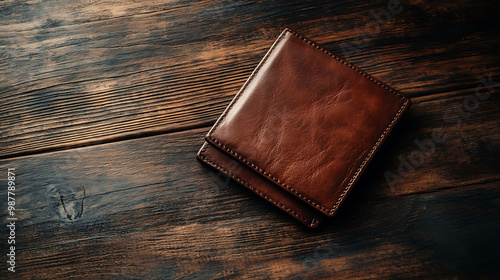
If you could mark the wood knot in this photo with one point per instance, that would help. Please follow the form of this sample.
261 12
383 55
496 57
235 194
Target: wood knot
67 203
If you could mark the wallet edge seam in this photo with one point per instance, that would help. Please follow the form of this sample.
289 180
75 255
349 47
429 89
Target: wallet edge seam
314 222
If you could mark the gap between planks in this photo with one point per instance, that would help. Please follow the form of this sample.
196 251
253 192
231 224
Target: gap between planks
106 140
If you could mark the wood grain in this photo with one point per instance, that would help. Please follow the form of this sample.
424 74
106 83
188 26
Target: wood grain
76 73
145 208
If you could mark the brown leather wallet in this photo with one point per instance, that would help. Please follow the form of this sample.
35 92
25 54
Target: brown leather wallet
303 128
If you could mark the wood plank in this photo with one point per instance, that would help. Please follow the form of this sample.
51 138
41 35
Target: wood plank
80 72
428 235
145 208
469 144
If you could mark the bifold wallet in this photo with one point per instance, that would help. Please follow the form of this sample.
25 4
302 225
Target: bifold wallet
303 128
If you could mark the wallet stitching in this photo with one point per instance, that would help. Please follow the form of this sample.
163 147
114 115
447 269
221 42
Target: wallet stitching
313 222
363 163
343 61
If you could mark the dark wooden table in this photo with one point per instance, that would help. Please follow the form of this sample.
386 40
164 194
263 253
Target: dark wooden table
104 105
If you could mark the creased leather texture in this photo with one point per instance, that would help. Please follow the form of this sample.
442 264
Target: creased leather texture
303 128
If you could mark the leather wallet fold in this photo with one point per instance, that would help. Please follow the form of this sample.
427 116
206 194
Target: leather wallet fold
303 128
